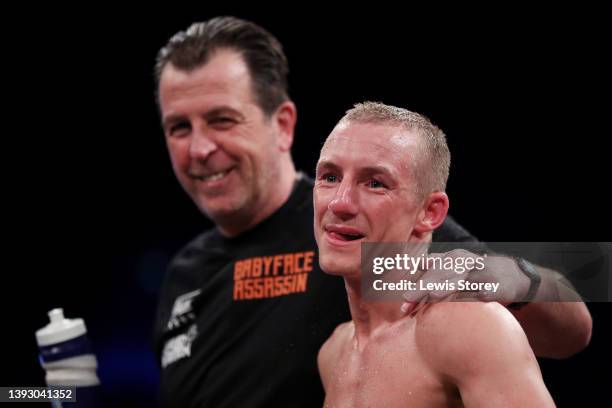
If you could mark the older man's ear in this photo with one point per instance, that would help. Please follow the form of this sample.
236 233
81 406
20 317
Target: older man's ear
285 117
432 214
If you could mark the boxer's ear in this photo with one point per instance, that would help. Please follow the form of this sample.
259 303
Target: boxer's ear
432 214
285 118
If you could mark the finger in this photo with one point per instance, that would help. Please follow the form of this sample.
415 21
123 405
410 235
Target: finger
440 287
430 262
420 306
413 296
407 307
434 282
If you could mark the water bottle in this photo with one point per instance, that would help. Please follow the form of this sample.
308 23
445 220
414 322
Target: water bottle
68 360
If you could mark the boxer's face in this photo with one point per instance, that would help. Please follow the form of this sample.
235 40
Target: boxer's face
223 149
364 192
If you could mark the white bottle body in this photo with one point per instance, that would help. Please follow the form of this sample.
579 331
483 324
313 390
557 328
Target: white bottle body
68 360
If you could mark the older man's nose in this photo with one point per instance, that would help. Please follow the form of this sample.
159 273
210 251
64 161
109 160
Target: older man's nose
202 145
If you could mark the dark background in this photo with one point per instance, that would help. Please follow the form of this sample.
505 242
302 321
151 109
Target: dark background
94 212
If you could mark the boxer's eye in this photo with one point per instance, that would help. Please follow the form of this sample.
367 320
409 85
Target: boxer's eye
330 178
376 184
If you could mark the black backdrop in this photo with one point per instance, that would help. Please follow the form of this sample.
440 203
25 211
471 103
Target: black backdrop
94 212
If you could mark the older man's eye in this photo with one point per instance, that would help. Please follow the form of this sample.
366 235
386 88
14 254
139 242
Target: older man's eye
178 128
222 122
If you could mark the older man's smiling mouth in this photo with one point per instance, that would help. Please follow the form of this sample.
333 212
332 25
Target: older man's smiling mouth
212 176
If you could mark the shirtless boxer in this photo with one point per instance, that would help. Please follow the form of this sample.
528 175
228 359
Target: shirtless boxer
381 177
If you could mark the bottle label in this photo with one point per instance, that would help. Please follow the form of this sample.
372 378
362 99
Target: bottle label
66 349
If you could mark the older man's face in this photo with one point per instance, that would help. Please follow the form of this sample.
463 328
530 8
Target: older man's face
364 192
224 151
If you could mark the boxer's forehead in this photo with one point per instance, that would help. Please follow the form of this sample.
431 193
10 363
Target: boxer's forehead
371 144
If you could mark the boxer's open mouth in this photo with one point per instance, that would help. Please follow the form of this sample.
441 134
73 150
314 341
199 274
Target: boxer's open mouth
348 237
343 233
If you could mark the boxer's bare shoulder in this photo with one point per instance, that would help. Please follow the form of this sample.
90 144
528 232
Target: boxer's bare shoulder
482 350
330 352
460 333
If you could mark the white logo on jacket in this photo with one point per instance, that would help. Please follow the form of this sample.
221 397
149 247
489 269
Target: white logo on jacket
182 310
180 346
